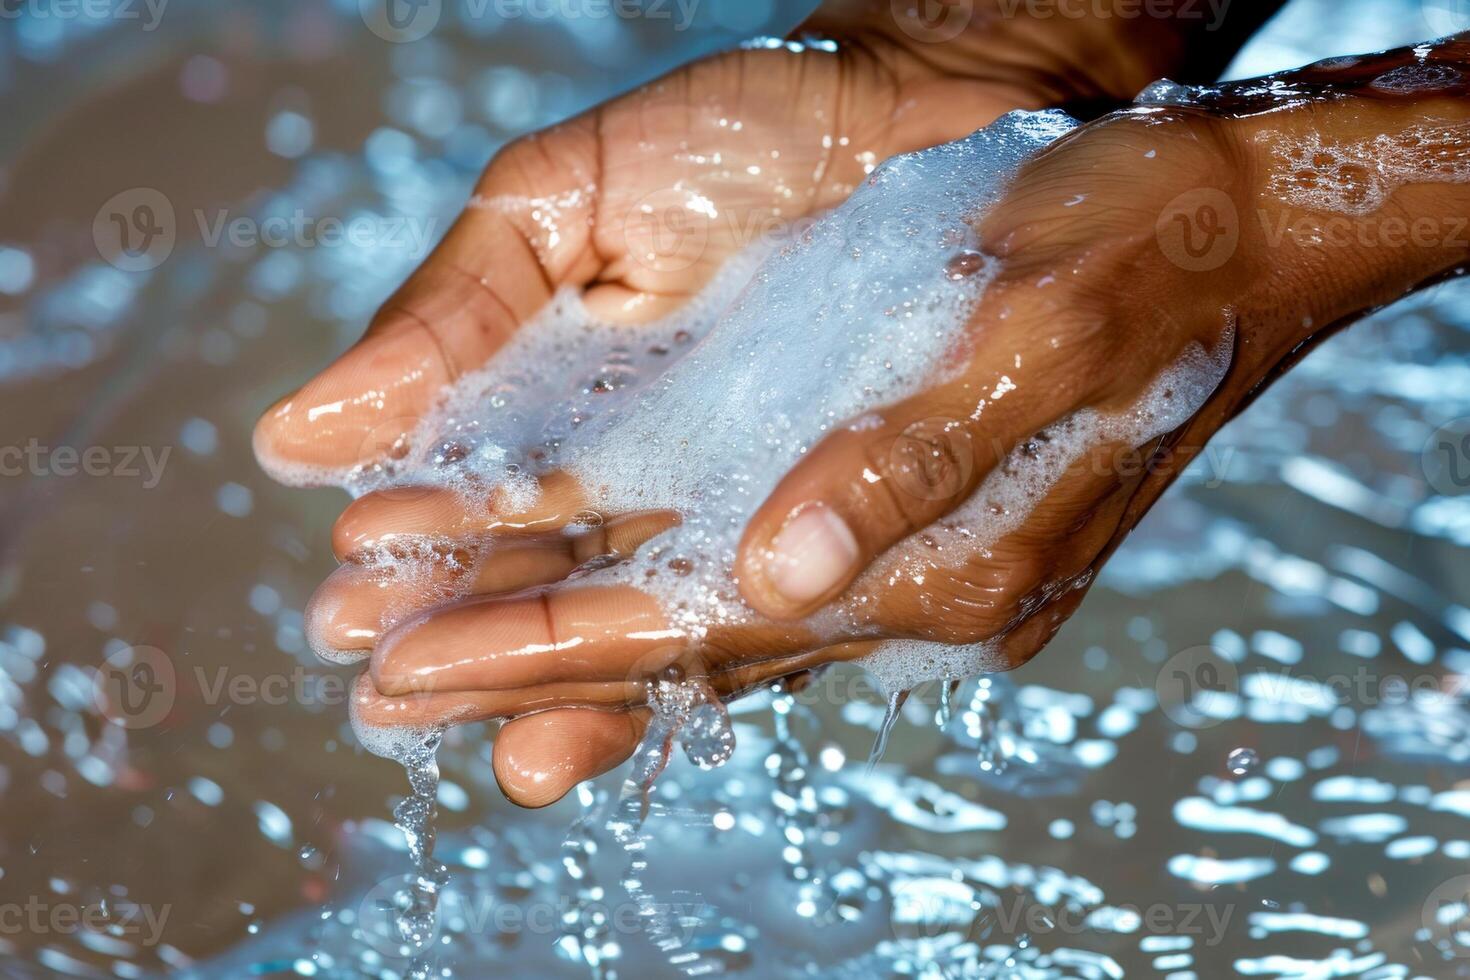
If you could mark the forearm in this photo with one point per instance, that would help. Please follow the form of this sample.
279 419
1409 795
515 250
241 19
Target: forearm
1088 55
1333 191
1358 197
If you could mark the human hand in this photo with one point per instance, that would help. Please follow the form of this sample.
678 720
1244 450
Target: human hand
1063 329
762 137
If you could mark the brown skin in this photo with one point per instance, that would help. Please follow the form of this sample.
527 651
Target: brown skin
1054 334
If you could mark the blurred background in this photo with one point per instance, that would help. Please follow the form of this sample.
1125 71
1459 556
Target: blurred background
1084 816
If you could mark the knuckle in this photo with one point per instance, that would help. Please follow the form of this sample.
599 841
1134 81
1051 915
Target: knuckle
922 472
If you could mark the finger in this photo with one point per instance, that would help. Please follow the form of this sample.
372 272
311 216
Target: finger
358 603
864 489
1041 556
413 515
495 268
431 709
571 632
539 758
441 709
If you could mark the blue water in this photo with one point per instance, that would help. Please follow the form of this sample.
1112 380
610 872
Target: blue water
1249 752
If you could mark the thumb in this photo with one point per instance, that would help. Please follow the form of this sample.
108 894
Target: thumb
866 487
494 269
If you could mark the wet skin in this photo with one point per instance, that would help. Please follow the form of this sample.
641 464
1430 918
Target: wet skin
1095 299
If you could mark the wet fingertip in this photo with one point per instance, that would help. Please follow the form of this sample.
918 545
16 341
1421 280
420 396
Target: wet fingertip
762 589
530 791
337 632
267 436
538 759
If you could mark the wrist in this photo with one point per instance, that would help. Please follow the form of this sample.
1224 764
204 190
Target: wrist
1358 201
1066 53
1341 189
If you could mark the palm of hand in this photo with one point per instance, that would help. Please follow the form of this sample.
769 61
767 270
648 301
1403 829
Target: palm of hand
635 203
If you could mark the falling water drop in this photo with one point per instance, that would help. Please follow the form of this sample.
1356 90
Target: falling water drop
1242 761
890 718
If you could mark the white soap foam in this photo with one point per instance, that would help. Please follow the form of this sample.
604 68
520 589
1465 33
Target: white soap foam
1411 79
1358 177
412 576
858 312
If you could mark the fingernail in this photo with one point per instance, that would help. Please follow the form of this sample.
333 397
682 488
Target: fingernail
812 553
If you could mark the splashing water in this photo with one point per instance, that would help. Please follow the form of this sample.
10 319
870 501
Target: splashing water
1310 521
414 907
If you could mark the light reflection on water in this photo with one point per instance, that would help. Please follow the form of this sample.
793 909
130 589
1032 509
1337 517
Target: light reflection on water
1305 813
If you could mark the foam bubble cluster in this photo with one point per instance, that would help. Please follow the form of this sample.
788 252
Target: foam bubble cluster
1358 177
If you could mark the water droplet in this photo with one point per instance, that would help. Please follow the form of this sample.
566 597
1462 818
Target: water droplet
1242 761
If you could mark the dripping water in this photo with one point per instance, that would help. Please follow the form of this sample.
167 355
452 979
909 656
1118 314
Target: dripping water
890 718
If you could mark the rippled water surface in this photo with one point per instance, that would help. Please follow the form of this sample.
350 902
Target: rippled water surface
1249 752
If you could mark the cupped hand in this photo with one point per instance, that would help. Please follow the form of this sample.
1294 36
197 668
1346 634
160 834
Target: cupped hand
638 202
918 527
635 204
